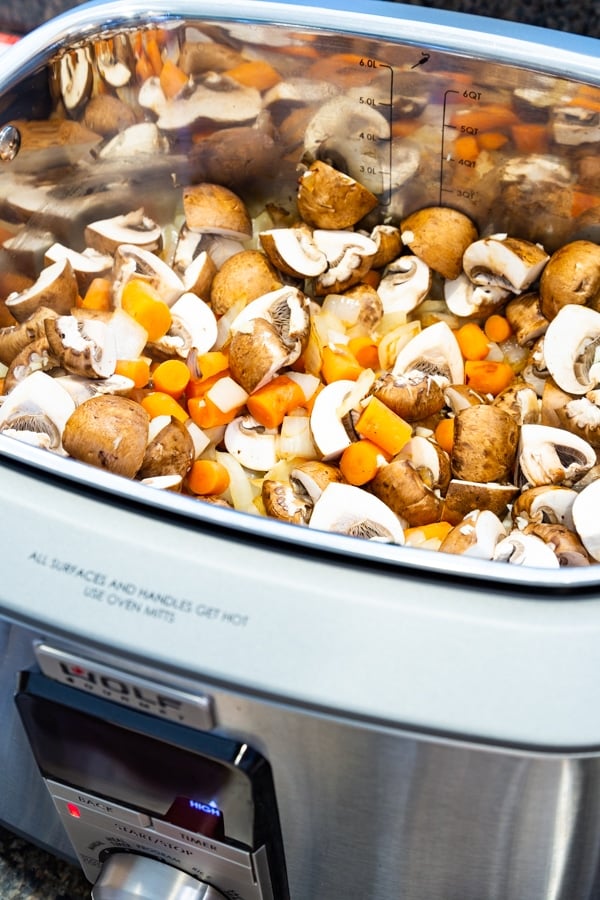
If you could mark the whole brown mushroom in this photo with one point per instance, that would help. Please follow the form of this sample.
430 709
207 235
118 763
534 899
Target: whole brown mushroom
571 276
108 432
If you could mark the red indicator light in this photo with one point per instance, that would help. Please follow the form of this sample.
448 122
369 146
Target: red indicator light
73 810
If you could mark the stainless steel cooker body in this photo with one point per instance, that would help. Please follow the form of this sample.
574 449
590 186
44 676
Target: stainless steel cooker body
265 710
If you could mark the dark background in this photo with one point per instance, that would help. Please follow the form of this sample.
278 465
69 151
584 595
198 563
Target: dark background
580 17
25 872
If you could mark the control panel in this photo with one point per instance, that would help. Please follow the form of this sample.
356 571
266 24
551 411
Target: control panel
124 781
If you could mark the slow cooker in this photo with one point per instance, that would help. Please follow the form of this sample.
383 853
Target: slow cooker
201 700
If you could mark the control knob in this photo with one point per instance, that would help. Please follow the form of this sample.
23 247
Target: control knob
126 876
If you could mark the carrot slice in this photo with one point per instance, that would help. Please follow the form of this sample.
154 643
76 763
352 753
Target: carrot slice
157 403
466 147
138 370
207 414
383 427
488 377
211 362
530 138
171 377
497 328
256 73
172 79
338 362
491 140
144 304
98 295
472 341
444 434
365 350
207 477
271 403
360 462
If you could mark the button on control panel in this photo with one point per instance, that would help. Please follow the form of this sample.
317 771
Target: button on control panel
96 827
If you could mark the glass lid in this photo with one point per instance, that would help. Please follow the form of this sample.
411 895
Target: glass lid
327 277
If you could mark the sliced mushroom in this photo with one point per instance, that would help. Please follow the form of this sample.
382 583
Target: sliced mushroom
521 402
327 425
349 255
311 476
193 328
400 486
466 299
549 455
413 396
134 262
170 449
215 209
35 357
15 338
565 544
434 351
282 501
574 125
586 519
333 135
345 509
439 235
267 335
81 388
505 261
55 288
521 549
75 78
294 251
133 228
485 444
108 432
404 285
572 276
214 97
477 535
526 318
547 504
429 459
251 444
135 141
329 199
581 416
87 265
571 347
463 497
82 347
36 411
245 276
388 240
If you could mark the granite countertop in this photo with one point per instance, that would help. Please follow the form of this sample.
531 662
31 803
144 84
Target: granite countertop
27 873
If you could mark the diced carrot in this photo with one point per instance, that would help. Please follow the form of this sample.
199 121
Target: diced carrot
256 73
197 387
491 140
154 55
338 362
497 328
211 362
98 295
444 434
360 462
1 386
138 370
207 414
466 147
490 117
488 377
171 377
422 534
472 341
365 350
582 201
143 69
272 402
144 304
156 403
530 138
380 424
172 79
207 477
